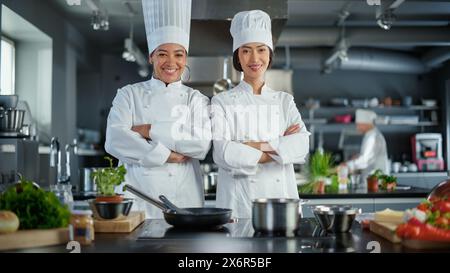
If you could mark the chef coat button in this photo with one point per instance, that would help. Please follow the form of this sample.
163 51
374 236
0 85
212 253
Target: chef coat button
278 180
252 180
274 96
170 174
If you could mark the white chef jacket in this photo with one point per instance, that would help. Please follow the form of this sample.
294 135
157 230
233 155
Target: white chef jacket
373 155
152 102
241 178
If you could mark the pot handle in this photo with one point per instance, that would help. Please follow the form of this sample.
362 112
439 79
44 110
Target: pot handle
145 197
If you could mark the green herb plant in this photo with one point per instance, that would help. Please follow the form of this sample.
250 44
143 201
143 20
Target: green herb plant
387 180
35 208
320 167
108 178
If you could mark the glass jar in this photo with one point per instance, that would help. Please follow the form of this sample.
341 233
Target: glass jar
82 226
64 193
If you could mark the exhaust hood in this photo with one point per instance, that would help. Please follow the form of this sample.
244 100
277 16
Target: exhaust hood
211 19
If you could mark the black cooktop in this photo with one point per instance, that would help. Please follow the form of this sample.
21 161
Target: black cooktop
242 228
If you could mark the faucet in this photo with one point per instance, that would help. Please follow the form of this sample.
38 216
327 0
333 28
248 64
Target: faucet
68 147
55 157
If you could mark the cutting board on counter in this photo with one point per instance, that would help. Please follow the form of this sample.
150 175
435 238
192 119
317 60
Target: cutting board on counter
121 225
34 238
418 244
385 230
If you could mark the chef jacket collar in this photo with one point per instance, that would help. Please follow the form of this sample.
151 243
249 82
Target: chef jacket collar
245 86
158 84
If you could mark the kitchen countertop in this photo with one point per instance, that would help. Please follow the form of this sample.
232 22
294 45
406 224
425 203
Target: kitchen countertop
411 192
236 237
406 192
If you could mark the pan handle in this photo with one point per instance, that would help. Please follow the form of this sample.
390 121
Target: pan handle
145 197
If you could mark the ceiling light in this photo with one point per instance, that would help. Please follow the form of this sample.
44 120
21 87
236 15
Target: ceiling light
99 19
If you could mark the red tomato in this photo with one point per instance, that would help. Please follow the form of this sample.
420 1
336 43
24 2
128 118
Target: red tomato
442 222
423 232
422 207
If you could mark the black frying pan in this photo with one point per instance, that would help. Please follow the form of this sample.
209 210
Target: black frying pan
193 218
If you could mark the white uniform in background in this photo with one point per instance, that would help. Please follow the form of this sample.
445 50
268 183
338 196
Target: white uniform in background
373 154
178 115
151 102
241 178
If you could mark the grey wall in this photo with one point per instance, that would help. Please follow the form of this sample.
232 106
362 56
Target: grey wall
96 91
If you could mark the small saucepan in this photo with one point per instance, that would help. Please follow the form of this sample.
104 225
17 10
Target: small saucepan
189 218
277 215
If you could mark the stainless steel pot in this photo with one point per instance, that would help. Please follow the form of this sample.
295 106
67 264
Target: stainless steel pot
275 215
11 120
210 181
87 184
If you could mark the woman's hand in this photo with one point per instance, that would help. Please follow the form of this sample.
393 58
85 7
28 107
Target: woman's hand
293 129
265 158
143 130
177 158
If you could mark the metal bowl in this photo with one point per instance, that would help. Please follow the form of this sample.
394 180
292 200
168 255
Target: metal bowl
111 210
335 219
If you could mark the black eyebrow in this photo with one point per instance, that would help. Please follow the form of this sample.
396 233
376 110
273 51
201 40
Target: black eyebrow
251 47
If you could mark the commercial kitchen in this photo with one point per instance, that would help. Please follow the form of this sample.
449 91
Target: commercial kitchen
62 62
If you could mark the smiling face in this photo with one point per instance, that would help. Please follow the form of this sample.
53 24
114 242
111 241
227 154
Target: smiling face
169 61
254 59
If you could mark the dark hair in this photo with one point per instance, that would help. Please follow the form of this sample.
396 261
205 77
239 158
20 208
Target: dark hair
237 64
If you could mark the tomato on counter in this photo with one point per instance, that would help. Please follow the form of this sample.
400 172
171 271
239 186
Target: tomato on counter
432 226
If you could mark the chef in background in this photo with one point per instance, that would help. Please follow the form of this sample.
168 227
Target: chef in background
160 128
373 154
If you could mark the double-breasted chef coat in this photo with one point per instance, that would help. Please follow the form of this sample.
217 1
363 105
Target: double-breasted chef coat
179 118
241 179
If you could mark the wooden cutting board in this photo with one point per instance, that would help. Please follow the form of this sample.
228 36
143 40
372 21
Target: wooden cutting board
34 238
121 225
418 244
385 230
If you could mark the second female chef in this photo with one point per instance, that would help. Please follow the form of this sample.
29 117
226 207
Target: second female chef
160 128
258 132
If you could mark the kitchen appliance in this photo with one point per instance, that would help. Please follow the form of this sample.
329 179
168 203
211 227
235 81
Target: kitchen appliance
18 155
278 215
11 120
9 101
197 218
427 151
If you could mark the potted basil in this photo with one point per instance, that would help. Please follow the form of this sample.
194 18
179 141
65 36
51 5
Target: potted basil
106 180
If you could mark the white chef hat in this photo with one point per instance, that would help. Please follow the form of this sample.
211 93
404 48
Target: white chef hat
252 26
365 116
167 21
